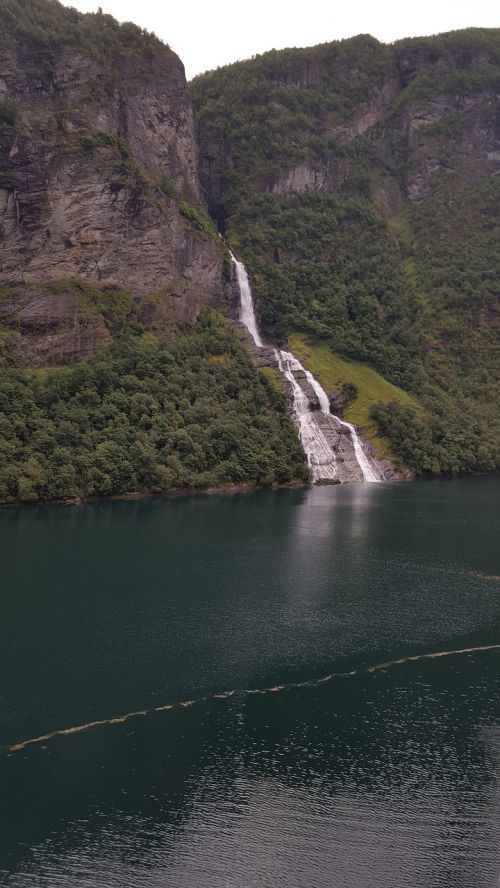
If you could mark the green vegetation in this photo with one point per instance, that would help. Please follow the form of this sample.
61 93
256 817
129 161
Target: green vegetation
274 378
145 415
466 62
455 267
90 141
450 438
48 22
9 113
117 307
272 113
198 219
422 310
408 286
328 266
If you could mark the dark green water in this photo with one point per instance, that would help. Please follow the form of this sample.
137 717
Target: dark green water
387 779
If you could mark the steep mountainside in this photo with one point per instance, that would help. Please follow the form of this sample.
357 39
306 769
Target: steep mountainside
98 176
359 182
109 261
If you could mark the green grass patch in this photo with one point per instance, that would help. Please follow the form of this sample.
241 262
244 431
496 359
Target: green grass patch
333 372
273 377
9 113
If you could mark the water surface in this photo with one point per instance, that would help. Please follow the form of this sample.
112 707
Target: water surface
371 778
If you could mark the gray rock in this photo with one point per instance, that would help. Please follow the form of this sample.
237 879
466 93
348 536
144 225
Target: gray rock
81 179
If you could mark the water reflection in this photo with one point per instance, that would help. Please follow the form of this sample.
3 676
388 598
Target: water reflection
385 779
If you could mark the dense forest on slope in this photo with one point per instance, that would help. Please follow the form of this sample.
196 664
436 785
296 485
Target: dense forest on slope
50 24
359 182
145 415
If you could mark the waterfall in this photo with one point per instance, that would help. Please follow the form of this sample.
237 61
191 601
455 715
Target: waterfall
320 455
247 313
369 473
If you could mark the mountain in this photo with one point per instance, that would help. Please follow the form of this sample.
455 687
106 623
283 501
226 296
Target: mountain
99 179
118 373
359 183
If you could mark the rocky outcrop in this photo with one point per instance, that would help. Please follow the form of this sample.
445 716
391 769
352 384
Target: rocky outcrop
144 101
86 215
450 137
304 177
340 441
46 328
430 109
446 137
328 173
99 182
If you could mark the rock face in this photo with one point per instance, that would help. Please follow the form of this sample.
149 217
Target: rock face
51 328
328 173
428 107
99 181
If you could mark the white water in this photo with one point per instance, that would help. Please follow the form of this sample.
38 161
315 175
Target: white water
247 314
368 472
320 455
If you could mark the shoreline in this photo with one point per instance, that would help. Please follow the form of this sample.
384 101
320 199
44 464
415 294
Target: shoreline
245 487
175 492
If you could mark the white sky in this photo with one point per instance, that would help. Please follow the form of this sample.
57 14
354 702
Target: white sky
210 33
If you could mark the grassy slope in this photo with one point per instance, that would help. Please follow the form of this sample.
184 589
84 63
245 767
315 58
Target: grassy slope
333 371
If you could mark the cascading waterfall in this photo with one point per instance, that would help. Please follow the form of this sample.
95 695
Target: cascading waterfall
320 454
247 313
367 470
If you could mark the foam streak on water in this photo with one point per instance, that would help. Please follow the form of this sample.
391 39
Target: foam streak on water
320 455
245 692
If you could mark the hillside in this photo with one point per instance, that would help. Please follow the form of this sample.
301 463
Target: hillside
117 372
359 183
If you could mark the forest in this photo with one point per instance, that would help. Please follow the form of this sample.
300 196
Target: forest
145 415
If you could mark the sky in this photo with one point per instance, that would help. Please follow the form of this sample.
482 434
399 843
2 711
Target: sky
209 33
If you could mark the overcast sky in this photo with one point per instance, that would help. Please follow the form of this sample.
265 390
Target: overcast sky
210 33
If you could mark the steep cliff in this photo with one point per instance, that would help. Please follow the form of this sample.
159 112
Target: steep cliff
99 173
294 120
360 184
